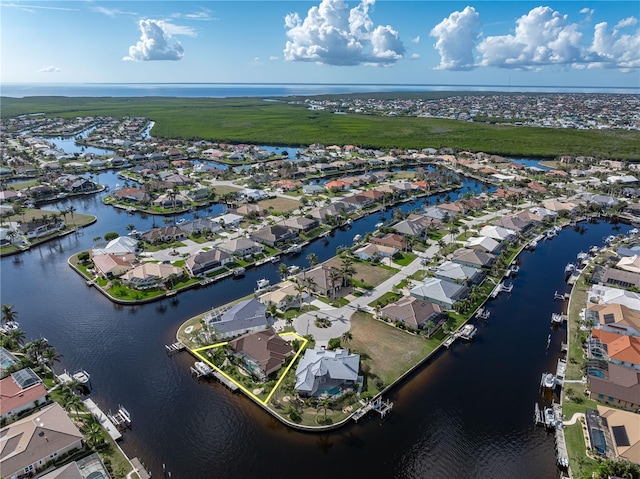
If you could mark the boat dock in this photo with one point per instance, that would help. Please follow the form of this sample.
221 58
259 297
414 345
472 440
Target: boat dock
382 408
561 296
174 348
227 382
102 418
560 370
558 318
140 469
121 419
201 369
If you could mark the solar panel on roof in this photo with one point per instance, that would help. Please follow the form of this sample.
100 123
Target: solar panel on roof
620 436
609 318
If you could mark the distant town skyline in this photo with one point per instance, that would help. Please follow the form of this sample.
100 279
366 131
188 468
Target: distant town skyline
489 42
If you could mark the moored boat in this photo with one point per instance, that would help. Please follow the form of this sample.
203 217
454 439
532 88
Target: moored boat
468 331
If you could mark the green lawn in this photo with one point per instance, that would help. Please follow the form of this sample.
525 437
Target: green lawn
388 351
581 465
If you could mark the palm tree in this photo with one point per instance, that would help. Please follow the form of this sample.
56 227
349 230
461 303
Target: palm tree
131 227
348 270
93 434
346 337
13 339
71 210
9 314
334 276
312 259
73 401
51 356
283 270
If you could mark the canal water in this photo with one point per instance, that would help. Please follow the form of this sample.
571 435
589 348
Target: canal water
468 413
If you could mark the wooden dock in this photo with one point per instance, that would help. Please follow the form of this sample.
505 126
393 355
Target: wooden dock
102 418
175 348
227 382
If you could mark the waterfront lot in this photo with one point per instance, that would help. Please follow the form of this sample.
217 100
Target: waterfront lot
386 350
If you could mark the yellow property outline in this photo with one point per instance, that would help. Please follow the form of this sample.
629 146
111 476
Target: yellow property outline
245 390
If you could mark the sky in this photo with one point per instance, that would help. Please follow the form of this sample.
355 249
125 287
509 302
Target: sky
570 43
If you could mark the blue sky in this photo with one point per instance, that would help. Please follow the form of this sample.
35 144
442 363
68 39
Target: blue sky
571 43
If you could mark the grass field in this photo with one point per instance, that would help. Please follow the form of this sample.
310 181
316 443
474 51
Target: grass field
365 272
389 351
251 120
280 204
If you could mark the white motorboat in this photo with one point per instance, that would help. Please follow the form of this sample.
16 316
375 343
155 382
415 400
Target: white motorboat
202 368
548 381
263 283
468 331
549 418
357 238
81 376
569 268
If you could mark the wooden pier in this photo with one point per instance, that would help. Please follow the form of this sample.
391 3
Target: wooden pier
174 348
227 382
561 296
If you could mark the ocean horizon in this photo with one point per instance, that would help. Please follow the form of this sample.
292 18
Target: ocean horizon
229 90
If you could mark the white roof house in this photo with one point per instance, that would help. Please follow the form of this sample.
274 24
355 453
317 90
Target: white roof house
497 232
483 243
119 246
599 294
441 292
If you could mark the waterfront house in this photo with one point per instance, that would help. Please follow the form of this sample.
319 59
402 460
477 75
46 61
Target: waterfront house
122 245
7 359
621 433
414 313
151 275
322 372
436 213
228 220
286 296
440 292
301 223
600 294
626 251
620 349
241 247
131 195
204 261
615 277
21 391
459 273
615 385
514 223
472 257
320 279
392 240
113 265
273 235
262 352
244 317
408 227
170 201
483 243
313 189
373 251
629 263
615 318
29 444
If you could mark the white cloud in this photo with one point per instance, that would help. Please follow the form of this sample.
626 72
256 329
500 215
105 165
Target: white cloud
626 22
542 37
615 50
416 40
156 42
273 58
49 69
333 34
414 56
111 12
456 36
